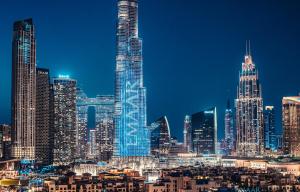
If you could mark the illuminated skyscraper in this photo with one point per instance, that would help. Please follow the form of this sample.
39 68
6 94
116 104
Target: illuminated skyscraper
44 120
23 89
230 135
64 90
187 133
160 137
204 131
291 125
249 111
131 133
269 126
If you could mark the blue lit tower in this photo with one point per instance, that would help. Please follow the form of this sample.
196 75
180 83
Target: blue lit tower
249 111
229 129
131 133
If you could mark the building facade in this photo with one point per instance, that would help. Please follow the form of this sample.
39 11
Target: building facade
104 122
249 111
187 133
132 138
44 123
6 141
291 125
160 137
230 136
269 126
204 131
64 90
24 89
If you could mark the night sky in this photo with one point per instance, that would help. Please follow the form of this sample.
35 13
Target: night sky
193 50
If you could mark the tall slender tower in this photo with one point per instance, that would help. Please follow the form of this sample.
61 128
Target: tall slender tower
187 133
23 89
229 129
131 132
249 110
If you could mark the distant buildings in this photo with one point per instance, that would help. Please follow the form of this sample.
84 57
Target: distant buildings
269 127
104 130
204 131
187 133
24 90
230 133
64 120
160 137
291 125
249 111
131 131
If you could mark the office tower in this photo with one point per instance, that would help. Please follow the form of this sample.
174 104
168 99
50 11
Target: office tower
249 111
291 125
64 90
187 133
6 141
269 126
23 89
104 131
204 131
160 137
131 133
44 128
276 142
229 130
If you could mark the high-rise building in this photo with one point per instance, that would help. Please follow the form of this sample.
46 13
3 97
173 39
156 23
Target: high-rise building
249 111
291 125
23 89
269 126
104 130
92 144
187 133
44 126
160 137
64 90
6 141
131 134
204 131
230 136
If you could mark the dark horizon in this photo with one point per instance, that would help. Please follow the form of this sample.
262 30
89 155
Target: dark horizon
192 52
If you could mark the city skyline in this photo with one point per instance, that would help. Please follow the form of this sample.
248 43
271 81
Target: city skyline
157 104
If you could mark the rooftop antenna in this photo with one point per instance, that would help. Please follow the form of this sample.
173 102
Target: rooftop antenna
246 47
249 48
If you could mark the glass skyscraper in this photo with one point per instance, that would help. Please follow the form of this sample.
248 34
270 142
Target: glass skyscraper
249 111
269 127
24 90
160 137
131 132
230 135
204 131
